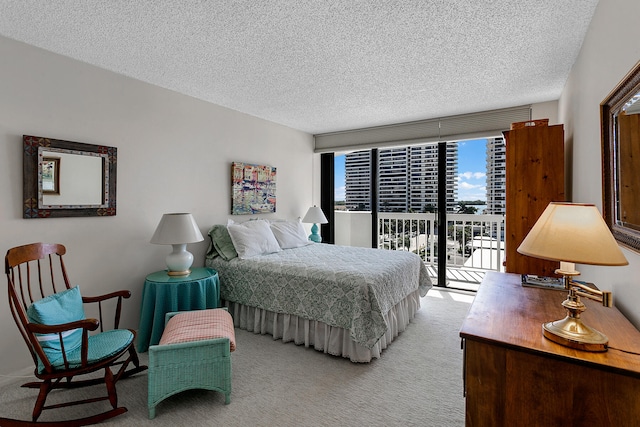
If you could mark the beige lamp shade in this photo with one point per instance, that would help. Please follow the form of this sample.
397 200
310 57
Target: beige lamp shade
177 229
315 216
572 232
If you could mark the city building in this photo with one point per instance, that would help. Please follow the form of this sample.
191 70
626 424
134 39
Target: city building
496 176
407 178
357 171
393 180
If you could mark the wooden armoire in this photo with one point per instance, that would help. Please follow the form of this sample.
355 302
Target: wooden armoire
534 178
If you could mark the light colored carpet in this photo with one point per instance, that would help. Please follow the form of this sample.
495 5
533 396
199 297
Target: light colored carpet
417 381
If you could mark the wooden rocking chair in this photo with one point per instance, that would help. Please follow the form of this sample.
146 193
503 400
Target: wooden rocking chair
50 316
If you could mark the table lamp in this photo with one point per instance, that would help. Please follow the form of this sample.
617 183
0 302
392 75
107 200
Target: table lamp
315 216
177 229
574 233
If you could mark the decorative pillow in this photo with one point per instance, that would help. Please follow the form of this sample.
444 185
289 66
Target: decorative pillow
252 238
211 250
63 307
290 234
222 242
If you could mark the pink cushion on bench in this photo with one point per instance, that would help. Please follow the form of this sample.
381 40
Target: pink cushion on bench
199 325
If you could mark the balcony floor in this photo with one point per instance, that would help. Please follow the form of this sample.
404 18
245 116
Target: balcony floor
467 279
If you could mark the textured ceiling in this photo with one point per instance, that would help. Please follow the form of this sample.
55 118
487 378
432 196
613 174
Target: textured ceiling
322 66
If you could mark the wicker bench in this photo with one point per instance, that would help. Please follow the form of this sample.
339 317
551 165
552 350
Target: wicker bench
194 353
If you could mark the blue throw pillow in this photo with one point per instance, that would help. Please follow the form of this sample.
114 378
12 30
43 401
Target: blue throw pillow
63 307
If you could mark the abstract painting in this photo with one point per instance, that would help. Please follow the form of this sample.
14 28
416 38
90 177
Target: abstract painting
253 189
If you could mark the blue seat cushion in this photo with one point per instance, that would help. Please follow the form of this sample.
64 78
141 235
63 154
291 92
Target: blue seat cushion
101 347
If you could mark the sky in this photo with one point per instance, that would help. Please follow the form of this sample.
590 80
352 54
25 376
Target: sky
472 168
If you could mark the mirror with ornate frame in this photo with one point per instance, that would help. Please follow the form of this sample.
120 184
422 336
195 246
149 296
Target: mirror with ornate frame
67 179
620 120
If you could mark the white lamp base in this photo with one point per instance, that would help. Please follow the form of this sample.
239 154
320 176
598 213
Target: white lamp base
179 260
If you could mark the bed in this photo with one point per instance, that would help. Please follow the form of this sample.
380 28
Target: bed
346 301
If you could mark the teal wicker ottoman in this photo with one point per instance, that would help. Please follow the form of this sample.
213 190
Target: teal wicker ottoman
194 353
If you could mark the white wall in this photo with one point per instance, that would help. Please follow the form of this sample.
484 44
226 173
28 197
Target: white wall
609 51
353 228
545 110
174 154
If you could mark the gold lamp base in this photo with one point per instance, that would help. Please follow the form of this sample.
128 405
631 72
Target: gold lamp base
571 332
178 273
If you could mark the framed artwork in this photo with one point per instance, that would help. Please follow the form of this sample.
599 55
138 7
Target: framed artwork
253 189
51 175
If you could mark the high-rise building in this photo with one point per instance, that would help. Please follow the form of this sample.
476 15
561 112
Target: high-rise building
393 185
423 177
407 178
496 176
356 179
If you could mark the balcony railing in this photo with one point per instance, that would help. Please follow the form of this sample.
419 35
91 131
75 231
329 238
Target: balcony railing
475 243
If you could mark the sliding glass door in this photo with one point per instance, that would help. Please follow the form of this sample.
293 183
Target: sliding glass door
417 198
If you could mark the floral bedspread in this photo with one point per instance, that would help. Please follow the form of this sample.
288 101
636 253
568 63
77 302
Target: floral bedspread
343 286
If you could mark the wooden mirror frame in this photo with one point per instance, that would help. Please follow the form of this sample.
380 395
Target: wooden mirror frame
629 86
31 191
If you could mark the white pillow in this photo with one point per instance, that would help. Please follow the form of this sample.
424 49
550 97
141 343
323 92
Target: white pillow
290 234
252 238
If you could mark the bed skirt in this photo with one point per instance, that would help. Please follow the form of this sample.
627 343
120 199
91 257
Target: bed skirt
322 337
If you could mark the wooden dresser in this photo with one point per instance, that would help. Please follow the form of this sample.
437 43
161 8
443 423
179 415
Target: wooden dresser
516 377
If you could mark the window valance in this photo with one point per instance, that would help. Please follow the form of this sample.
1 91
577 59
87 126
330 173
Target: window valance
453 128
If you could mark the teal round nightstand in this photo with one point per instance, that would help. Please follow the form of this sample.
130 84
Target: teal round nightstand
163 294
